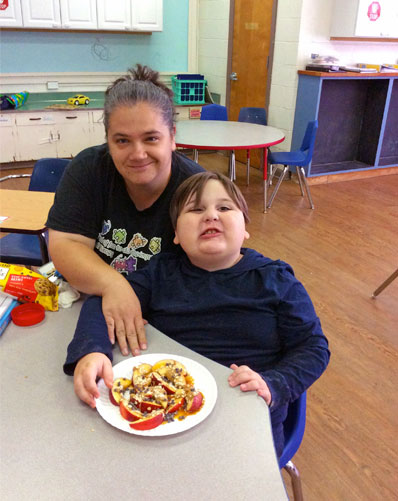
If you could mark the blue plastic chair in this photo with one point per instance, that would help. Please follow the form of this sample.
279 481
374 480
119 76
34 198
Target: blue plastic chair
253 116
293 428
23 249
214 112
299 159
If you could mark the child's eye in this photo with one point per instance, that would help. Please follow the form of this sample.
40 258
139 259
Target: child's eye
224 208
121 140
195 209
152 139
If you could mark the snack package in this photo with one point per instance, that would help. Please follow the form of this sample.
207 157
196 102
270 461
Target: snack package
28 286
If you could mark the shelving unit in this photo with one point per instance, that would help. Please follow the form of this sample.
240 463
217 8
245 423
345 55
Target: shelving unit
358 120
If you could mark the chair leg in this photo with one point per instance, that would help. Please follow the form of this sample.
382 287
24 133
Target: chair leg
386 282
247 167
281 178
233 167
296 481
270 174
300 180
307 188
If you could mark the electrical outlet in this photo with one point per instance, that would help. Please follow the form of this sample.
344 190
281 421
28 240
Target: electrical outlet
52 85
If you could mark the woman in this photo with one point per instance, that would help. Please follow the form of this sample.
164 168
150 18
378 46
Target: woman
111 209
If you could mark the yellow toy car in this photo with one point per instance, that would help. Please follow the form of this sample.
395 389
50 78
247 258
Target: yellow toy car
78 99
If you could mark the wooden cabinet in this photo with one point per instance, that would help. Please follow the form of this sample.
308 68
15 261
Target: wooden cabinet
97 135
8 151
51 134
114 15
79 15
358 121
124 15
11 16
147 15
365 19
41 14
130 15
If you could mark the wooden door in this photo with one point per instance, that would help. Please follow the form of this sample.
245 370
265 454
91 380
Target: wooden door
250 50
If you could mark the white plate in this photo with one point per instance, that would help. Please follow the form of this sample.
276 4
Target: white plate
204 382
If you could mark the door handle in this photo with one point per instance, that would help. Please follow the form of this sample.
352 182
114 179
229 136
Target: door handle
233 76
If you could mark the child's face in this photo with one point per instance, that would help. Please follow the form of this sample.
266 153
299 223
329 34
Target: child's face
211 231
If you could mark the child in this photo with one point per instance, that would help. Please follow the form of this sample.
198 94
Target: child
228 303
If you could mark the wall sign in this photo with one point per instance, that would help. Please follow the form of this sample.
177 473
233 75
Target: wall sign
374 11
3 4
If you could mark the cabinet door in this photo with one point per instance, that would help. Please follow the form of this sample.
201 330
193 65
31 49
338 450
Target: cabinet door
36 137
114 14
41 13
72 130
11 14
97 128
8 151
79 15
147 15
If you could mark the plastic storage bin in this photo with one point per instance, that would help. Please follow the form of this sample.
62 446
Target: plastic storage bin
187 91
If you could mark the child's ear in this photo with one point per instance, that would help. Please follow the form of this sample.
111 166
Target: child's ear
176 239
247 235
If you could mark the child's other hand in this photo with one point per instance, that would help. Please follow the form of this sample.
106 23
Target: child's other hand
88 369
248 380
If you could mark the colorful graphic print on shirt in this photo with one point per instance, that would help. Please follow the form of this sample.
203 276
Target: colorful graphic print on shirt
111 242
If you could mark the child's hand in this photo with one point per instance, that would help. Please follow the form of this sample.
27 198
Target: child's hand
249 381
88 369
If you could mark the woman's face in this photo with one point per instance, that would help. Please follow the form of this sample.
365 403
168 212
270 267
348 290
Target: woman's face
141 145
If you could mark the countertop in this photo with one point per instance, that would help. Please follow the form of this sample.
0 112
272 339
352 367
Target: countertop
42 101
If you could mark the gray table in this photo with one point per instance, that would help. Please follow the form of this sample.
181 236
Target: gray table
53 447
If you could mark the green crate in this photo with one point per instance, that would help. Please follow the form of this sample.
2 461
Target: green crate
188 91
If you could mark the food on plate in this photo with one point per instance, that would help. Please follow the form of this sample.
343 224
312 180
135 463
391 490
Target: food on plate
155 394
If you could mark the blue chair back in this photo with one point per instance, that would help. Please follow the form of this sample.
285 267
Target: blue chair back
253 116
214 112
308 143
293 427
47 173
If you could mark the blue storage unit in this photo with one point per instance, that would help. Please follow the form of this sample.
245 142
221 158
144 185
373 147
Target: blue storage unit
358 120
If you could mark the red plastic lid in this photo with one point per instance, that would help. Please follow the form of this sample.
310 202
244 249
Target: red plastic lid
27 314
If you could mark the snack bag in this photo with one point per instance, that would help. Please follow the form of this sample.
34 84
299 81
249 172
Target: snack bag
28 286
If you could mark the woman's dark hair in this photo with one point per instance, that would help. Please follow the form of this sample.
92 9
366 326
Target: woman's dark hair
194 185
140 84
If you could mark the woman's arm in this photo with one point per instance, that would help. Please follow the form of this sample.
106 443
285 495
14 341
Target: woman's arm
74 257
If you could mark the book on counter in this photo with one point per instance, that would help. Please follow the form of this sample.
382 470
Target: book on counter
7 304
322 67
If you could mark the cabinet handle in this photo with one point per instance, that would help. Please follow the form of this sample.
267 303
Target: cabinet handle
70 118
39 118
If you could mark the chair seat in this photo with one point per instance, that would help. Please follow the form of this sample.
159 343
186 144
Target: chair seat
16 248
294 158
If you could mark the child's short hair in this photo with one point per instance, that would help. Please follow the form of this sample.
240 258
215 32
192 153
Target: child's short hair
194 186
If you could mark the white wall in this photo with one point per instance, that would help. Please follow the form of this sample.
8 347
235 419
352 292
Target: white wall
213 43
302 28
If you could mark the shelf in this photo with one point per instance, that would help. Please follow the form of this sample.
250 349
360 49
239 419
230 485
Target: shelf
358 122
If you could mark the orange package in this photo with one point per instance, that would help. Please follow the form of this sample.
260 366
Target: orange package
28 286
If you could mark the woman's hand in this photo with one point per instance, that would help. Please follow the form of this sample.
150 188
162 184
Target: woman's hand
88 369
248 380
122 312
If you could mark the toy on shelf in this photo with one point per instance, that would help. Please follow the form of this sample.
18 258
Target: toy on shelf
12 101
78 99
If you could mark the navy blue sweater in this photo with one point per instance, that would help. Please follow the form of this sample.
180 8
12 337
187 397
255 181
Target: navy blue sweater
255 313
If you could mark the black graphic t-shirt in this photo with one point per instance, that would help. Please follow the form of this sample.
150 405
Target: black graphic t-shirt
92 200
